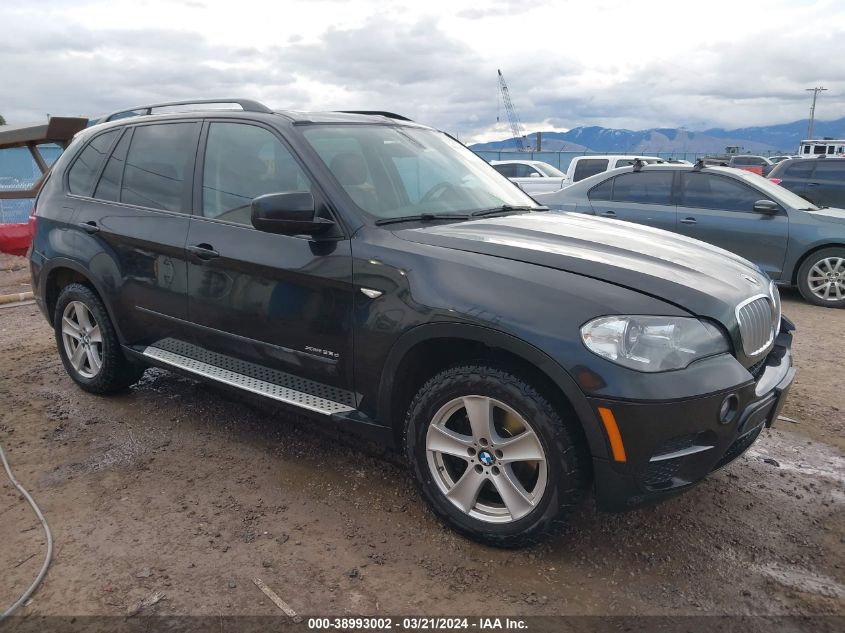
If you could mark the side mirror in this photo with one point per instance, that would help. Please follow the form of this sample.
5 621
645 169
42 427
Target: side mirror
769 207
288 214
533 174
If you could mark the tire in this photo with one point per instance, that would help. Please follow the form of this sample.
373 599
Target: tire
823 273
438 419
82 324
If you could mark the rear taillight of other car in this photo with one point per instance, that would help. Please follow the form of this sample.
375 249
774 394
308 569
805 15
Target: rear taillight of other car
777 181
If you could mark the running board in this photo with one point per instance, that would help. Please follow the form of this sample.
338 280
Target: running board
276 390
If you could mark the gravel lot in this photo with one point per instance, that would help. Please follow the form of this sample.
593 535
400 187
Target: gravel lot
185 489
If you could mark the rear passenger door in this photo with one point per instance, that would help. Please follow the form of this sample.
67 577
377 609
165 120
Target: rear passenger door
280 302
132 226
644 197
796 174
720 210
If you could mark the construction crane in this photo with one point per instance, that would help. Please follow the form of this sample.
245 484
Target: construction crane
516 126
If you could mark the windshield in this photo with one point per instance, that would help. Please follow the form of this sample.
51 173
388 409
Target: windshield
395 172
550 171
778 193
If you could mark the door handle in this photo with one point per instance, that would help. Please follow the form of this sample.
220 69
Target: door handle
689 221
203 251
812 184
609 214
89 227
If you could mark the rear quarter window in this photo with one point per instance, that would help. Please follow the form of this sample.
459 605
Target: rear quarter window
87 165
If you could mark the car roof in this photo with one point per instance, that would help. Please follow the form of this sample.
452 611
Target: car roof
711 169
517 162
618 156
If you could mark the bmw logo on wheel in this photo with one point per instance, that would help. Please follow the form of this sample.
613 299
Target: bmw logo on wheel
485 458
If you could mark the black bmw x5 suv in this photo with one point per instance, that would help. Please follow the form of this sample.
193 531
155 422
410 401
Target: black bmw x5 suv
376 273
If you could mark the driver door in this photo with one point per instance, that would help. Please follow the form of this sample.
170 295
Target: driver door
280 301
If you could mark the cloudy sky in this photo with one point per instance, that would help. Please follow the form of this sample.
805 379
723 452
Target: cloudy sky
632 64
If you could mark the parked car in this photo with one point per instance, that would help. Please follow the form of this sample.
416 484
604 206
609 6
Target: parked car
792 240
534 176
376 274
585 166
759 165
819 180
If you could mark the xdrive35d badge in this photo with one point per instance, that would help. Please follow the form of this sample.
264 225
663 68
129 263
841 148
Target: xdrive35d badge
377 275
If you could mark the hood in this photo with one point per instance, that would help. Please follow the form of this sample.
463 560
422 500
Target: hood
829 214
702 279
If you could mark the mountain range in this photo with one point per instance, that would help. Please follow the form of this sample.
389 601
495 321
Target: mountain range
784 137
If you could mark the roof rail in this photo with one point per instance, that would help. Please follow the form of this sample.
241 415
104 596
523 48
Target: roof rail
389 115
247 105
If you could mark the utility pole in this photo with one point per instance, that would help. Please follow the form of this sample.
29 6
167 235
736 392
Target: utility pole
816 92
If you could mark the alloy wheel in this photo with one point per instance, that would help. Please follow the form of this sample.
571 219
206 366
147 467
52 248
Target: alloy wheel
826 279
82 339
486 459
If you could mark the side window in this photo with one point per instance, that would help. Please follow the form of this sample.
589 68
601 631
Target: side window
159 159
806 149
646 187
81 176
524 171
602 191
589 167
830 170
819 149
800 168
709 191
109 186
508 171
624 162
243 162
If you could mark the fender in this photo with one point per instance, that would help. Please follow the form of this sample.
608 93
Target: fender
498 339
63 262
794 263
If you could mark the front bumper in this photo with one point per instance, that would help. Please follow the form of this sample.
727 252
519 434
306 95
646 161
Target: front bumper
669 446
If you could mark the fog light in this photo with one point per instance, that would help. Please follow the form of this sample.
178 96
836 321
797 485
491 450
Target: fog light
727 412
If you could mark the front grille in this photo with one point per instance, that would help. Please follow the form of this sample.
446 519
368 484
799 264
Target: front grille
756 318
740 445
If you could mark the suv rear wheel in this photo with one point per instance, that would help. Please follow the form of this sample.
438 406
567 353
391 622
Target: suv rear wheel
88 344
821 278
492 456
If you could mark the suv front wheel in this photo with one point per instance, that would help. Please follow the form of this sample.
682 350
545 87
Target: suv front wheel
492 456
821 278
88 344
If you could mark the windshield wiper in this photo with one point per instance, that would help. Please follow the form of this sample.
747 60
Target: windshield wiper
423 217
506 208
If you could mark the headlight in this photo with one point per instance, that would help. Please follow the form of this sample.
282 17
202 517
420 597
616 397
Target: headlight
653 343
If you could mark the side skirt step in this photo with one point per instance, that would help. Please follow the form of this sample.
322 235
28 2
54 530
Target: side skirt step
252 384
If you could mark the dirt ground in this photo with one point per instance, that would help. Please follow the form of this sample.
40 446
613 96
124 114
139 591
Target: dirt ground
181 488
14 274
